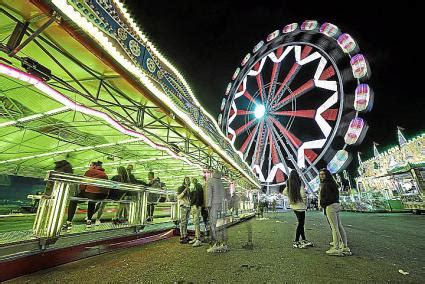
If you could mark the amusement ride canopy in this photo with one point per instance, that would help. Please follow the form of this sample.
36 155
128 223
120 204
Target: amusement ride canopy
80 81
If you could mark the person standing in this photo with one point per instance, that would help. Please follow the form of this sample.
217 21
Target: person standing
152 197
297 200
235 202
183 197
204 212
329 201
196 201
216 196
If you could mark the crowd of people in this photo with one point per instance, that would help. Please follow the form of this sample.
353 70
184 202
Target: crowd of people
206 201
96 194
194 199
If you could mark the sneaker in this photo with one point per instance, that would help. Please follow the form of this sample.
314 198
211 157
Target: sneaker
213 249
97 223
346 251
88 224
223 248
67 226
197 243
307 243
191 242
205 240
334 251
296 244
184 240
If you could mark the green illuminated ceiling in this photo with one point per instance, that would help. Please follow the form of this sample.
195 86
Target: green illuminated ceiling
88 81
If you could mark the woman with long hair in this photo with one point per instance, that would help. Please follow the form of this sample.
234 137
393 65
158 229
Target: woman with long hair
297 200
329 201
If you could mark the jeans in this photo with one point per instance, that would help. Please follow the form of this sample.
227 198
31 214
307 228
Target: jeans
204 213
338 232
196 212
184 218
217 234
150 210
300 228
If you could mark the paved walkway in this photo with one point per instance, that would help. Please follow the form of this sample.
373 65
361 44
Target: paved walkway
382 245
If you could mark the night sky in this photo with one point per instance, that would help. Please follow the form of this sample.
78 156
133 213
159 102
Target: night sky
206 41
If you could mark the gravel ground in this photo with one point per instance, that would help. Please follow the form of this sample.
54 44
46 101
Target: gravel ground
382 245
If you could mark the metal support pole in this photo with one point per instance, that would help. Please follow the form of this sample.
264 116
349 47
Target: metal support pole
34 35
50 213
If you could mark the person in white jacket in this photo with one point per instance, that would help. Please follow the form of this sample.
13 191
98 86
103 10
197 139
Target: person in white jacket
215 199
297 201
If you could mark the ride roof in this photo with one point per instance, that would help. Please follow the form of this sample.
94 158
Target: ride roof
85 84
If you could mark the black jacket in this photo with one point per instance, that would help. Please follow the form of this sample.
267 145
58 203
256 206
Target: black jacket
197 195
329 194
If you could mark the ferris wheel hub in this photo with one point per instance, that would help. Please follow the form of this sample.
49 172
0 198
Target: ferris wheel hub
259 111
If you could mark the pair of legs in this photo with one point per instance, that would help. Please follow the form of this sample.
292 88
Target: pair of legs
196 212
300 228
184 218
217 235
204 214
114 195
339 236
72 207
150 210
260 210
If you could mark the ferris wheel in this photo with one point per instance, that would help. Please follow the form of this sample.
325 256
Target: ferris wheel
295 102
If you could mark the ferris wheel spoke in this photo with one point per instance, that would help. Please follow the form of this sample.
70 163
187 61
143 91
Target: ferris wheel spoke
278 140
273 80
307 86
248 141
244 112
247 95
292 73
264 147
285 83
260 84
294 140
258 144
275 159
272 87
306 113
245 127
247 151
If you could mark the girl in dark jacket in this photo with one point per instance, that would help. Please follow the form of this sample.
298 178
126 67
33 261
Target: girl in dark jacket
115 194
329 200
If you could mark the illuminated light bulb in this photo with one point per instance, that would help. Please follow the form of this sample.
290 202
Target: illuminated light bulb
259 111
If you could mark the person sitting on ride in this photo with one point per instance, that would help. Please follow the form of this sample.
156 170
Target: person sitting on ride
88 191
114 194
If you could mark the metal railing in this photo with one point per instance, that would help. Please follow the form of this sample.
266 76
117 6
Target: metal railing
51 209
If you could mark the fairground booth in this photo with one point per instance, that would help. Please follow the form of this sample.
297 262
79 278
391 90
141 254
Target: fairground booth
392 180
